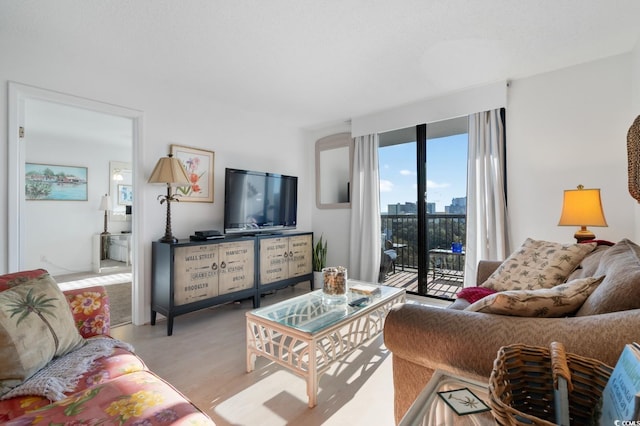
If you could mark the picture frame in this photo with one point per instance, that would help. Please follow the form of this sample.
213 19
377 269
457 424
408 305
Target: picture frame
125 195
50 182
199 166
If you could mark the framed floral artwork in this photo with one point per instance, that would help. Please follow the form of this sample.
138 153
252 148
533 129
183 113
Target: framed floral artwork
199 166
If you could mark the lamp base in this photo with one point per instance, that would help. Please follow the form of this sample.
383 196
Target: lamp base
584 235
169 239
104 245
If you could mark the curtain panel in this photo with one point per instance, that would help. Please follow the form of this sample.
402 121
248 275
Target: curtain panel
364 240
487 218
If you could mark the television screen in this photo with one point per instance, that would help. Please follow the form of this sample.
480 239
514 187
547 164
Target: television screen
259 202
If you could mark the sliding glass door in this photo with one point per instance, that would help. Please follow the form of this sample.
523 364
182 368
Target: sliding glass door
423 206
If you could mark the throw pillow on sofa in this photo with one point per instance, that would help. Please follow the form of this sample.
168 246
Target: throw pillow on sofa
620 289
552 302
473 294
538 264
36 325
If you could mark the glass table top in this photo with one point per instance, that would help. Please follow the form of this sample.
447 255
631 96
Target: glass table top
311 312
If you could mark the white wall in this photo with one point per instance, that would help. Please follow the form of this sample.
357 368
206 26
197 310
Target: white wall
566 128
452 105
62 231
240 138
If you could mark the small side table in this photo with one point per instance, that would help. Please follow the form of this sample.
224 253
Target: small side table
447 263
400 249
430 410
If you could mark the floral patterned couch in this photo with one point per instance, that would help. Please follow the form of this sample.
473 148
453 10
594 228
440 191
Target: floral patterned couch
116 389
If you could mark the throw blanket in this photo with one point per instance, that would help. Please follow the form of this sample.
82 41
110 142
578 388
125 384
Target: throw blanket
62 374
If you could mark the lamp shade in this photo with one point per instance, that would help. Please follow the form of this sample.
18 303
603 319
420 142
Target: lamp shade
105 203
170 171
582 207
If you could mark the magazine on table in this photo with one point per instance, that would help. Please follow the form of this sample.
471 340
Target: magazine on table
621 396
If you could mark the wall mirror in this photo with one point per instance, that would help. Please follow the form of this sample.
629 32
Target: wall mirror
121 190
334 156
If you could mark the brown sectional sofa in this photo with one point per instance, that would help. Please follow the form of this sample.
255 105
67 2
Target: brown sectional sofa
423 338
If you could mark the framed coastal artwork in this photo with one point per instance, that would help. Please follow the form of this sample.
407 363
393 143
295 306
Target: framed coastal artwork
125 195
55 183
199 166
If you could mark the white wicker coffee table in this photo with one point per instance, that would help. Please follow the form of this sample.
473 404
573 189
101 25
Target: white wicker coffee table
307 336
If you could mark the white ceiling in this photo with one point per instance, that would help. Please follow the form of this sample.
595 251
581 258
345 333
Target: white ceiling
317 62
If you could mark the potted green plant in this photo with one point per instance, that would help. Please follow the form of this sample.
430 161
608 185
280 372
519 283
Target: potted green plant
319 261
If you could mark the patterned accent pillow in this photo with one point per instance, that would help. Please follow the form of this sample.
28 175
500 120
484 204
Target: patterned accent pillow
553 302
36 325
538 264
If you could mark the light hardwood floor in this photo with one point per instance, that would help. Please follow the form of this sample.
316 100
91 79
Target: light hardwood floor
205 359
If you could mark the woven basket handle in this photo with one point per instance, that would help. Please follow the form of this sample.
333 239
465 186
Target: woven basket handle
559 367
561 383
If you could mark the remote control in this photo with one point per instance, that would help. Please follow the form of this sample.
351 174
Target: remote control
358 302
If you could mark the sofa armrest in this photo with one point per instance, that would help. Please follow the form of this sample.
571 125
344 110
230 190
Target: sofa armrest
90 309
423 339
486 268
15 278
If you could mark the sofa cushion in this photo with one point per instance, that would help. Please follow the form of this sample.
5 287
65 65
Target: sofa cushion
589 264
538 264
36 325
620 289
90 310
138 398
119 363
557 301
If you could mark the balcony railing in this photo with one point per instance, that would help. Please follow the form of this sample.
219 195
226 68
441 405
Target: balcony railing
442 231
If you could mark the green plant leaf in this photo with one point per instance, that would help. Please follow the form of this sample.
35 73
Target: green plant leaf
320 255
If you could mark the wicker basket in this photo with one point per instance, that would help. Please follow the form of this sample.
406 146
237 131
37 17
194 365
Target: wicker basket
521 386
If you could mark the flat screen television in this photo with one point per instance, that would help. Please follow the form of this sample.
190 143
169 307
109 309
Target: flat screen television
256 202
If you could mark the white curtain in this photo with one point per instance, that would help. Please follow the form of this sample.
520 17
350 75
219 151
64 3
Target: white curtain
487 220
364 240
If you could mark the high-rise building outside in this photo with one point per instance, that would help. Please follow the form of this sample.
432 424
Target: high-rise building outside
457 206
400 209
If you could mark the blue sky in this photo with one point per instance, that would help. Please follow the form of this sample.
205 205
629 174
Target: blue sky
446 172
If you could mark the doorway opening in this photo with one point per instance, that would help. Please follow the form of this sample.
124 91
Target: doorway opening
67 117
